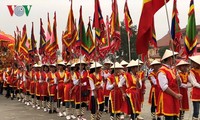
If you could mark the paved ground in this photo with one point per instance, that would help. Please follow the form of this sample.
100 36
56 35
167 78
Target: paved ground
14 110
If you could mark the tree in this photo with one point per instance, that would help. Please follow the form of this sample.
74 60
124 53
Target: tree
162 50
123 52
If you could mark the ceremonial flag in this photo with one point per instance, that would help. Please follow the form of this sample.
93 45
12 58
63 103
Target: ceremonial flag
33 48
153 41
81 33
88 44
98 23
115 28
53 42
18 39
104 47
70 35
127 19
42 39
150 7
48 36
24 44
191 32
175 29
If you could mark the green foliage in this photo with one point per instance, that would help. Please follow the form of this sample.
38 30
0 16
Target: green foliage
162 50
123 52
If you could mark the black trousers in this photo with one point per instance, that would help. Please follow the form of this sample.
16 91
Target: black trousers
1 88
8 90
171 118
196 108
153 107
94 105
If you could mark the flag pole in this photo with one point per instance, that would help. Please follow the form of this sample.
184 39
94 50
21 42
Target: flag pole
174 60
129 47
166 10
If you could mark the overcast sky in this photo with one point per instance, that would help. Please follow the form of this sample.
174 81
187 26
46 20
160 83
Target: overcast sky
40 8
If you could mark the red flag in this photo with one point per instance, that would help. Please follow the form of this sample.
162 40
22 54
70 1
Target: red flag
104 47
127 19
42 39
70 35
150 7
48 35
33 48
115 28
175 29
23 45
53 42
98 22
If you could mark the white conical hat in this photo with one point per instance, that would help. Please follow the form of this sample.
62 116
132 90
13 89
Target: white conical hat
155 62
39 64
60 61
195 59
81 60
139 61
107 61
132 63
68 64
116 65
182 62
97 65
123 62
53 65
73 65
168 53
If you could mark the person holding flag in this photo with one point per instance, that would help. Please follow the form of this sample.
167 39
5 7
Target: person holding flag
169 94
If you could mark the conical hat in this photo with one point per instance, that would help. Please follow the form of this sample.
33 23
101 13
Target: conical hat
73 65
123 63
195 59
155 62
116 65
60 61
97 65
182 62
139 61
81 60
54 65
107 61
168 53
132 63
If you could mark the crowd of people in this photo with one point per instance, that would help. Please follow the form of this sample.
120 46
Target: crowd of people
70 89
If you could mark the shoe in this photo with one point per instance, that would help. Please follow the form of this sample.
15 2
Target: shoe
54 111
28 104
12 98
140 118
25 103
68 117
50 111
38 108
82 118
60 114
45 109
33 106
64 113
73 117
20 100
122 117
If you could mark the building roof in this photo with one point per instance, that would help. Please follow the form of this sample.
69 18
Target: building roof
164 41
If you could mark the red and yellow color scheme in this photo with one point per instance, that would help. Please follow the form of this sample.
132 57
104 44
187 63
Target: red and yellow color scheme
166 100
195 96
